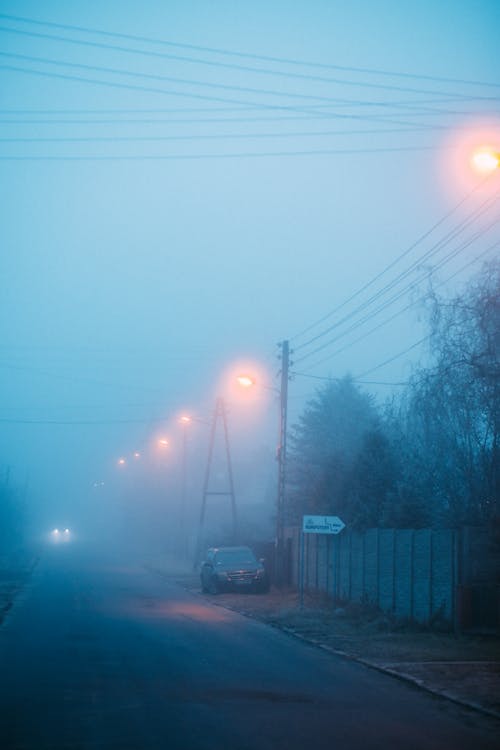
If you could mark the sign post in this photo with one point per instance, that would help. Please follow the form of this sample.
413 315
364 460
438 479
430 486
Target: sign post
316 525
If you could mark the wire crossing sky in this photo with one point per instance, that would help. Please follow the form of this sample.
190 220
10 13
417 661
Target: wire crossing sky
186 184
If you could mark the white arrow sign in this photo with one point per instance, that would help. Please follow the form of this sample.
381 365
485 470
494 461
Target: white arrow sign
322 525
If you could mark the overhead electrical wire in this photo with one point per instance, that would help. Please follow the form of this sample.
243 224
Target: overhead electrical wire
190 82
80 421
313 108
247 55
369 316
392 359
224 155
176 92
207 136
232 66
175 79
437 247
413 303
392 264
216 120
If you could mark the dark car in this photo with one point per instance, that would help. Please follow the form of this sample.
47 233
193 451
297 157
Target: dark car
233 568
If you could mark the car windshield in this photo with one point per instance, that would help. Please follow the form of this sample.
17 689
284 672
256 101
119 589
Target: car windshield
236 557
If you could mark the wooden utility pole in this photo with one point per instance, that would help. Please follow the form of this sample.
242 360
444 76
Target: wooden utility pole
280 566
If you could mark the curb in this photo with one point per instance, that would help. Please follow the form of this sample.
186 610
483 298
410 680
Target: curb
365 662
443 694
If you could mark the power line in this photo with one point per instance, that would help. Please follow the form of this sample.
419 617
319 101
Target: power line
215 120
234 155
391 265
406 308
392 359
231 53
396 356
398 296
437 247
198 83
331 379
242 108
171 79
212 136
218 64
172 92
79 422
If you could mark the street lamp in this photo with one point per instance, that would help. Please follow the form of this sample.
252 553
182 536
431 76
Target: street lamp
485 160
246 381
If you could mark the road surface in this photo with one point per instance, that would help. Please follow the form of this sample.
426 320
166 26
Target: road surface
99 654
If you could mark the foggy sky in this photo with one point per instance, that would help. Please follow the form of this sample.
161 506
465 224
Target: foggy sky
133 287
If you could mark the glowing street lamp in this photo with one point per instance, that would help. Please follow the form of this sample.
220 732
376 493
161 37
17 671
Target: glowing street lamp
485 160
137 454
121 462
246 381
163 443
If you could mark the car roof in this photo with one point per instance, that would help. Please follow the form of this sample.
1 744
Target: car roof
230 549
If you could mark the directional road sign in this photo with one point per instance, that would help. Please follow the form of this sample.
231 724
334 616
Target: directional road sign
322 525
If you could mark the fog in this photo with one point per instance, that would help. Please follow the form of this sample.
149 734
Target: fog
149 256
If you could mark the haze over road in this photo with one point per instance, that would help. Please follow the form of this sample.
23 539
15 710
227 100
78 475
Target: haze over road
98 653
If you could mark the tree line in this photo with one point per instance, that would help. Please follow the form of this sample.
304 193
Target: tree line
429 457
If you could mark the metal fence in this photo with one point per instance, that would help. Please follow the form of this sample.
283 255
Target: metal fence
410 573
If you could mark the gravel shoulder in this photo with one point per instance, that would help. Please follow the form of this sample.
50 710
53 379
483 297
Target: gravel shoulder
461 668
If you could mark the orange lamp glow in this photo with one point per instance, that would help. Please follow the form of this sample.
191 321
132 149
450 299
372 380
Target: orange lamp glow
245 381
121 462
163 442
485 160
185 419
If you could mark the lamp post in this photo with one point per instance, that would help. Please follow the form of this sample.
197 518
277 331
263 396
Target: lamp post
246 381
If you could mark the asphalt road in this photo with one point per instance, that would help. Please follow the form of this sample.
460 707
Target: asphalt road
100 654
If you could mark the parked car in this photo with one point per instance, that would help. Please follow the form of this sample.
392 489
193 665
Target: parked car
233 568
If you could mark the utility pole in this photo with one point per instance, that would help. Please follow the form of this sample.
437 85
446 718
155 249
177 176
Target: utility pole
219 413
280 562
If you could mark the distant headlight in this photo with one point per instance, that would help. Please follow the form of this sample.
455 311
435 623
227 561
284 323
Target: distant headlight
56 531
66 531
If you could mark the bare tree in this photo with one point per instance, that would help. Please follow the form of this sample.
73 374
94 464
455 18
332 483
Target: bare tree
452 408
